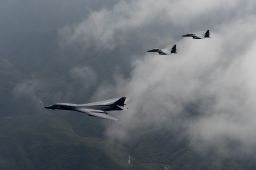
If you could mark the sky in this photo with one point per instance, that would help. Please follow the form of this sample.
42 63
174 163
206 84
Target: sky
81 51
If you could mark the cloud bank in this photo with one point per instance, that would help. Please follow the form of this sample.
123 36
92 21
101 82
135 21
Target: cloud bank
208 89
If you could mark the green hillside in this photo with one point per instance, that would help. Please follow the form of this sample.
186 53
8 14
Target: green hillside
48 142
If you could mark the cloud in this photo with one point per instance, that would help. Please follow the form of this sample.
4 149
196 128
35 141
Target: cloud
208 89
103 28
206 92
84 75
211 75
27 95
82 80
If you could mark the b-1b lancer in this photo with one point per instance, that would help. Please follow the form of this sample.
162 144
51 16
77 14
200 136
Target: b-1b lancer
164 51
96 109
198 35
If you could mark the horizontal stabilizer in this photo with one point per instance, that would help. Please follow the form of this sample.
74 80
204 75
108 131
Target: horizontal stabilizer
122 107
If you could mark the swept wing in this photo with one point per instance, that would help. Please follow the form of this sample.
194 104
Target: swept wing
97 113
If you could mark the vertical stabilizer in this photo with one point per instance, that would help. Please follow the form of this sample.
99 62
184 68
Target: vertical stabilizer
174 49
120 101
207 34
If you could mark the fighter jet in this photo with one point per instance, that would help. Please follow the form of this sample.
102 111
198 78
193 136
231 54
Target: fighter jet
164 51
96 109
198 35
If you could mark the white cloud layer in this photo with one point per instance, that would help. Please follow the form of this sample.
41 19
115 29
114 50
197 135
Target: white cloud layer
216 77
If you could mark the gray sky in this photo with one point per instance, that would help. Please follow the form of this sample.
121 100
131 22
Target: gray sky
88 50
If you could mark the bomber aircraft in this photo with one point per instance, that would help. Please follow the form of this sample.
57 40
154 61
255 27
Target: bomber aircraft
96 109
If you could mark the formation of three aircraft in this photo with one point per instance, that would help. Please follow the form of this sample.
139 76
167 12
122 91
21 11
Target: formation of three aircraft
101 109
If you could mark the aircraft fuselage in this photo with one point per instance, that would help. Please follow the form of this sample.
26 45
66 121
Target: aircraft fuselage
75 107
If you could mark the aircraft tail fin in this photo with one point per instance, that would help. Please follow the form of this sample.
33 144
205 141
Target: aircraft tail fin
174 49
120 101
207 34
